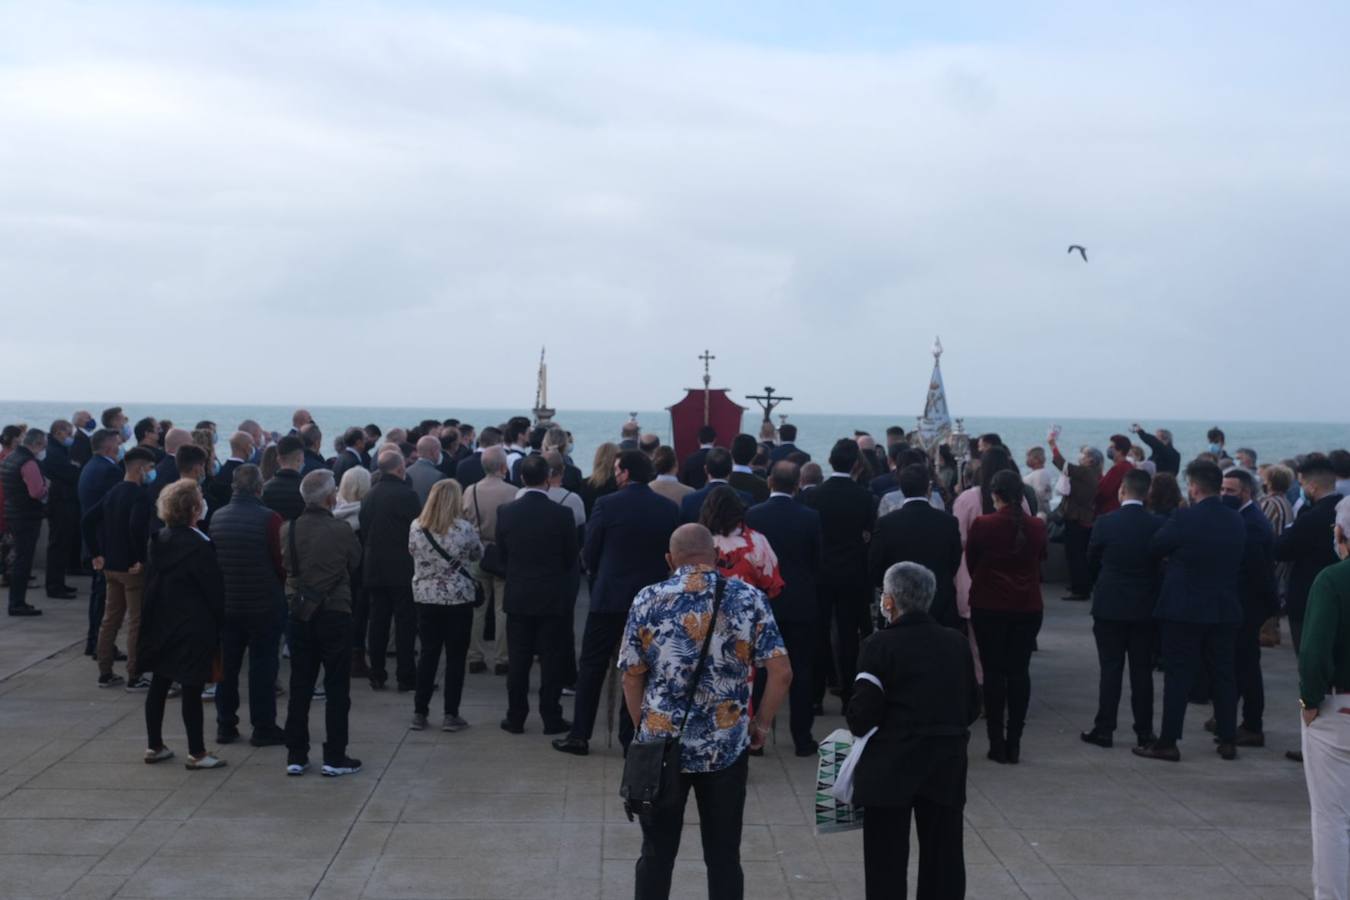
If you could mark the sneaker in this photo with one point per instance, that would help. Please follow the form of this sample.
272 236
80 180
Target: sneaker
139 683
175 690
569 692
453 723
419 722
155 756
297 768
209 693
319 692
110 680
205 761
344 766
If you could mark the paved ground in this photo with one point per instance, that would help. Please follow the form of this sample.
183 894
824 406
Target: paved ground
483 814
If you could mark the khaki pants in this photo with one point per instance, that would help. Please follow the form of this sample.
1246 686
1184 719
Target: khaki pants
1326 767
124 599
495 590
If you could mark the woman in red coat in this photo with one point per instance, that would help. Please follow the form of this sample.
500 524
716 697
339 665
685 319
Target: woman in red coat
1004 551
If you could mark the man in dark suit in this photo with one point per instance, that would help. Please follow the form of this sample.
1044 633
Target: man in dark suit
717 469
100 475
794 533
312 438
916 532
82 450
1126 575
692 469
538 541
1199 609
847 516
785 447
63 506
743 477
281 493
884 484
1260 601
1304 544
627 536
386 515
469 470
353 448
241 451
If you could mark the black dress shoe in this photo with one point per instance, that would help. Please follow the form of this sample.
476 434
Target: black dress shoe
508 725
500 669
1294 755
998 753
378 684
1143 740
477 668
1247 738
1013 752
1227 751
1076 598
1211 724
808 748
62 593
24 610
562 726
268 737
574 746
1097 738
227 735
1156 751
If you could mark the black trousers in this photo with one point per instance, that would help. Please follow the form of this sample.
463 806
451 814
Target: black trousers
1117 642
24 533
325 640
394 603
1188 647
527 637
849 607
63 523
259 634
721 806
1006 641
1296 632
603 632
98 596
800 640
1076 539
1247 675
360 617
191 706
449 628
942 859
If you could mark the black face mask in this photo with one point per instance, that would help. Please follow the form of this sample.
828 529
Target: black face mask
1231 501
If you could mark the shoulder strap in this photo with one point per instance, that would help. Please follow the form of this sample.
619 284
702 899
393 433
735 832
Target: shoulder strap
702 654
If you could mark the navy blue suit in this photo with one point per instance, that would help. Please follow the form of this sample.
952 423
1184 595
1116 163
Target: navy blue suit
1260 601
627 537
692 504
1200 610
794 532
98 476
783 451
1126 572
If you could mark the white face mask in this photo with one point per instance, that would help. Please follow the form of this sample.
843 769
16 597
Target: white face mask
41 454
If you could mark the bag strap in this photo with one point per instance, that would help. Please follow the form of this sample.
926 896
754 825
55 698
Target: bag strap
477 515
441 550
295 554
702 655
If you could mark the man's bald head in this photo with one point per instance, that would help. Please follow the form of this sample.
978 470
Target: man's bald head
241 445
176 438
494 461
429 448
300 418
692 545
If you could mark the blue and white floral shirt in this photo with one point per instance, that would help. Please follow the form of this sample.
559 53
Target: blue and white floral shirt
665 631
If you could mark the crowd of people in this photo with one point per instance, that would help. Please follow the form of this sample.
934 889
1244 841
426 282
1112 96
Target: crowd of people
720 586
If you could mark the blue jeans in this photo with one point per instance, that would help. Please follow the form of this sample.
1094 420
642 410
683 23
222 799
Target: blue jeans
258 634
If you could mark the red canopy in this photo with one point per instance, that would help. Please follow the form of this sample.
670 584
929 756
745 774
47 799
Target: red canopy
686 418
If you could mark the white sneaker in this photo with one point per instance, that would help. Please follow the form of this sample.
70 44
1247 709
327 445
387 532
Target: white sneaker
348 766
209 692
154 756
140 683
297 768
205 761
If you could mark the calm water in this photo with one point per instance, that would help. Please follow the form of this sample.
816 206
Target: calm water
816 431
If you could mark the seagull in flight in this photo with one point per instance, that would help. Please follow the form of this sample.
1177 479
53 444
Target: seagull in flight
1079 248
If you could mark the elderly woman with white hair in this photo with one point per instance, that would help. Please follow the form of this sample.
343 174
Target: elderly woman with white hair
1324 694
916 689
351 491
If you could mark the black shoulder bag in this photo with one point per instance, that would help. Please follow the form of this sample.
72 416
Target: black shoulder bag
651 768
479 598
306 601
491 562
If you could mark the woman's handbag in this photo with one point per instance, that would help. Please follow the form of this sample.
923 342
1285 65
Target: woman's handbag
491 562
479 598
651 768
306 601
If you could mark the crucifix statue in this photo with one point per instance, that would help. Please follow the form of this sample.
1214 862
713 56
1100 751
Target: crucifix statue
767 401
707 357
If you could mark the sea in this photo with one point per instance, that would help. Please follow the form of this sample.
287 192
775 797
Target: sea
816 432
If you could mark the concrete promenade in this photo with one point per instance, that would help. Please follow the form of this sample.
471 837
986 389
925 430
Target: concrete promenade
484 814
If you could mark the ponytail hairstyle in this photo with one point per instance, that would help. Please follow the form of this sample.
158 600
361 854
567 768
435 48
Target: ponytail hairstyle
1007 486
993 461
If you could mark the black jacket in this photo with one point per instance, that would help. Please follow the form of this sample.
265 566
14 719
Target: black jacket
81 451
1122 562
347 459
386 516
469 470
282 494
692 504
183 608
247 535
538 541
1260 595
783 451
1167 459
922 711
1203 545
793 531
626 542
312 461
757 488
916 532
1307 544
118 526
847 515
19 506
63 477
691 470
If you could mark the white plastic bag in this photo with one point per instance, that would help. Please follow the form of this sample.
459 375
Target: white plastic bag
843 781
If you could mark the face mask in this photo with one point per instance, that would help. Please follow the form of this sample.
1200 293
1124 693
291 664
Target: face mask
201 480
150 476
256 456
68 442
215 467
121 452
1111 453
1215 448
1231 501
41 454
126 432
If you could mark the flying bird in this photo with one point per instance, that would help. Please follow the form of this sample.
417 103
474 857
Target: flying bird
1079 248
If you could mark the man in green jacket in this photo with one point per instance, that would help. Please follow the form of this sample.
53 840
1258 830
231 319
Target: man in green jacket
1324 694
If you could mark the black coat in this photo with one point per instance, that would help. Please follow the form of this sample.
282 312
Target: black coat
793 531
183 608
63 477
883 485
757 488
1126 571
627 537
1307 544
347 459
469 470
783 451
118 526
922 711
916 532
1203 545
81 451
386 517
282 494
312 462
847 514
691 470
1260 595
538 541
1164 457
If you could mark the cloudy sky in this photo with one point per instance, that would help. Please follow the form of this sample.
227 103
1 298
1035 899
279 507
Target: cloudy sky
398 203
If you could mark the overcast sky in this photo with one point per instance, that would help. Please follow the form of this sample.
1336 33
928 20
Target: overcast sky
399 203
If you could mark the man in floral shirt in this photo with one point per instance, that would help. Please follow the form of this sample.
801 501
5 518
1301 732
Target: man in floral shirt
662 640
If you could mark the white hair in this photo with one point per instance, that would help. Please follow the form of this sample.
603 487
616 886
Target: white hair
1343 516
494 461
317 487
911 586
